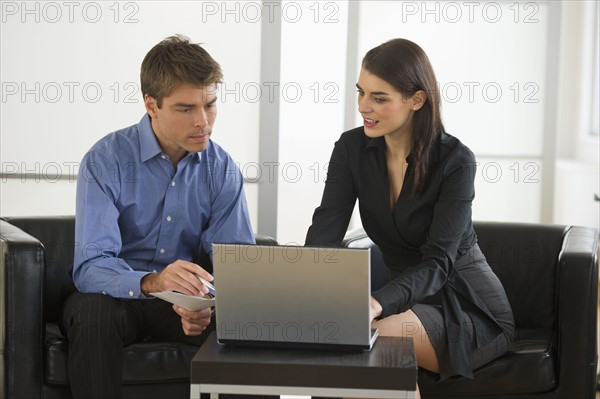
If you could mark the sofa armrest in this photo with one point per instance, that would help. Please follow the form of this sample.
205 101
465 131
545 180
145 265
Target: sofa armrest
21 293
262 239
577 312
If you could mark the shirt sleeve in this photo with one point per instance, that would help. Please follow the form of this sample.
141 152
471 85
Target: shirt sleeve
451 219
97 267
330 220
229 220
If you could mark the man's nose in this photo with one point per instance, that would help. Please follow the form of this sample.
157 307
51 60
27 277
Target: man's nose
201 119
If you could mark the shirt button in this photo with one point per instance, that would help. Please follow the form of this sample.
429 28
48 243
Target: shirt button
162 250
172 184
163 156
154 271
104 292
168 218
130 293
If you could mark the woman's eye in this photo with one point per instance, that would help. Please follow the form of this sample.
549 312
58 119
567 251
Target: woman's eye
379 100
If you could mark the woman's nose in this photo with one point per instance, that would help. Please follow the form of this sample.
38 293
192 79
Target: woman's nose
363 105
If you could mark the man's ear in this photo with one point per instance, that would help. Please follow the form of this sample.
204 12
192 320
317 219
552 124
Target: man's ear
418 100
151 105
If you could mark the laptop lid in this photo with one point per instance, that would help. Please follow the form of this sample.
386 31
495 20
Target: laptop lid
292 296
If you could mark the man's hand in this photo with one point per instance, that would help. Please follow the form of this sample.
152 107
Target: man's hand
180 276
193 322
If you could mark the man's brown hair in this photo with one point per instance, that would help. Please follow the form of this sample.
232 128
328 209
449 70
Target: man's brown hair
175 61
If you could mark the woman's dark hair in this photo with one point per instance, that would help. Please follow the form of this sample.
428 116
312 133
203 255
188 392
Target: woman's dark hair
405 66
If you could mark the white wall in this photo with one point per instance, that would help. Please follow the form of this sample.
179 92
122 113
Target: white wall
483 46
578 152
70 75
490 62
313 62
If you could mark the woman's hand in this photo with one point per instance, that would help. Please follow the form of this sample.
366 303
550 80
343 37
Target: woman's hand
376 309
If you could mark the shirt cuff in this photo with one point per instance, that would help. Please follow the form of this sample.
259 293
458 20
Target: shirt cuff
129 285
387 298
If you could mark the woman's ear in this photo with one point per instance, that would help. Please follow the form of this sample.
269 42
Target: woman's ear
418 100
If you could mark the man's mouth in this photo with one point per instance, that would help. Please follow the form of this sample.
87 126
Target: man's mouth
201 138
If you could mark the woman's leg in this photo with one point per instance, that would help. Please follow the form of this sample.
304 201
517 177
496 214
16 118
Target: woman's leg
407 324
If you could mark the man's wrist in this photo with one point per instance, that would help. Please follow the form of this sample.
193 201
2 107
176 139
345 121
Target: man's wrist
147 284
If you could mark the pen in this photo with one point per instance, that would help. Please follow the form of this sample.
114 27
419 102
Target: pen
206 283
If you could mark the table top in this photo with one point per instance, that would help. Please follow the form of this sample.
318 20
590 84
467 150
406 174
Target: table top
390 364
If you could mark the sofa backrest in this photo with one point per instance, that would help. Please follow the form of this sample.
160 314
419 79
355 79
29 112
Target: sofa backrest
57 235
380 274
523 256
525 259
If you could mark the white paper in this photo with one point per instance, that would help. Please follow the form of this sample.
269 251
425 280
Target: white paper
185 301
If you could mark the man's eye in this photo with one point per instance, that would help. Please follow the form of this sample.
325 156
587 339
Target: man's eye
360 93
185 110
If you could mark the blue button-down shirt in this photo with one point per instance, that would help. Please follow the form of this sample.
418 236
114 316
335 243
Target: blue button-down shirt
137 213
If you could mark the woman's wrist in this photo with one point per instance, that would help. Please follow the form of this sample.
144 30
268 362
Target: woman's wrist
376 309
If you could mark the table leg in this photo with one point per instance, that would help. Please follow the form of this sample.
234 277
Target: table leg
195 392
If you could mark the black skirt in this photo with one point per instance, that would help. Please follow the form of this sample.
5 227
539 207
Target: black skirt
476 271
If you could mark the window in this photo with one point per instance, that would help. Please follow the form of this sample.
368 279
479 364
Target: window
595 129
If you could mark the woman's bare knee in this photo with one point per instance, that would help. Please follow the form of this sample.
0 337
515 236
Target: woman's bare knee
407 324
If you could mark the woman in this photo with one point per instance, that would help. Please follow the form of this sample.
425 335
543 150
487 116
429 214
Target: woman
414 183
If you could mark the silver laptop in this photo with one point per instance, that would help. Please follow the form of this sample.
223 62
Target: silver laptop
293 296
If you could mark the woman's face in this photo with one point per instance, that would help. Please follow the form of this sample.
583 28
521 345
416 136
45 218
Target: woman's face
385 111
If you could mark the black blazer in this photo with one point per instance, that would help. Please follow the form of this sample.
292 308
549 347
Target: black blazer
421 237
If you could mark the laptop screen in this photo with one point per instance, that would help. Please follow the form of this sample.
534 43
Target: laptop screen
292 295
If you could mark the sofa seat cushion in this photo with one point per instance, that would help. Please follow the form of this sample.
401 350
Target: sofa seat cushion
149 362
527 367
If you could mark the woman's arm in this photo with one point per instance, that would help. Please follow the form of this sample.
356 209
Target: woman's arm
330 220
451 220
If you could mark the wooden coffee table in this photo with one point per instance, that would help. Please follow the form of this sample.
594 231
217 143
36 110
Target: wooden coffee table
388 370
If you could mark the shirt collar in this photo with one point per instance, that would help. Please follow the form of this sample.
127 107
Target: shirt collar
149 147
379 142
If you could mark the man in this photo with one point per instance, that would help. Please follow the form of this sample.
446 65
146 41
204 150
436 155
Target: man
148 197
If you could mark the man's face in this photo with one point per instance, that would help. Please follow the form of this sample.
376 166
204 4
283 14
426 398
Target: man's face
184 121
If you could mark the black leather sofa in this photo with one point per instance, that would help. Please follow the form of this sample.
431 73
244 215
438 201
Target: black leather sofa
550 274
36 254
